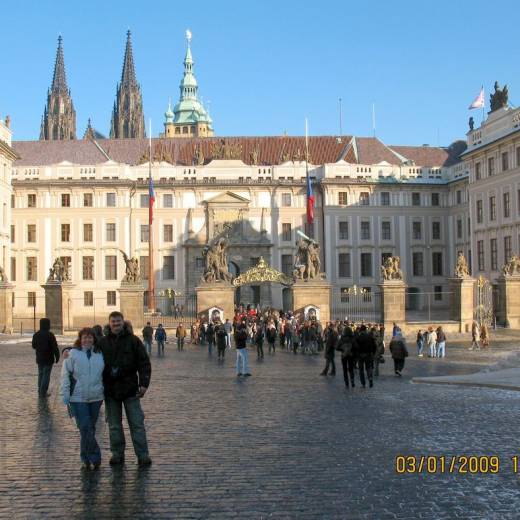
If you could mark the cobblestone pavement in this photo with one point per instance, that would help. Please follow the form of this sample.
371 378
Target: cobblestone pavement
285 443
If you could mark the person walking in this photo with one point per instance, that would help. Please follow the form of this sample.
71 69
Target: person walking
399 352
210 337
228 327
82 391
126 379
47 352
160 337
242 364
331 340
366 348
259 341
475 336
484 335
270 335
379 338
348 347
441 342
221 336
431 339
180 334
420 342
148 337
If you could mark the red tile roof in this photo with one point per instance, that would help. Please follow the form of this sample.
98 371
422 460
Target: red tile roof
425 155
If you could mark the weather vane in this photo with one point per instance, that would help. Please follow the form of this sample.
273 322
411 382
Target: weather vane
188 36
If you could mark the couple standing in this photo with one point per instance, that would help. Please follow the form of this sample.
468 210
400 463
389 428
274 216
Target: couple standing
115 368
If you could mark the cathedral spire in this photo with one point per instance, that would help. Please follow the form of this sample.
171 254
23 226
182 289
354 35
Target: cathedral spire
59 117
127 114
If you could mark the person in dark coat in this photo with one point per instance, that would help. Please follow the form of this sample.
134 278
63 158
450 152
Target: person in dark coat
221 335
126 379
365 355
348 347
331 339
210 337
259 341
47 352
270 335
399 353
380 349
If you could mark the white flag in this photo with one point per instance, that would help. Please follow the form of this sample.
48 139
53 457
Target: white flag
478 102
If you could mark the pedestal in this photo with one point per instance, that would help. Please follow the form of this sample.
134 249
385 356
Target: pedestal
462 301
508 312
59 305
218 295
393 303
315 293
131 304
6 307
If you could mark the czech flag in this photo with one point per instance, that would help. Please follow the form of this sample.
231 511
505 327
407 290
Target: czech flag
310 202
151 194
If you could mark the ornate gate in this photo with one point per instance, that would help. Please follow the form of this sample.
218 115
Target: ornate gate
171 308
357 304
483 302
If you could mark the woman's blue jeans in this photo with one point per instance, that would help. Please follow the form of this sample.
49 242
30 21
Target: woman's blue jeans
86 415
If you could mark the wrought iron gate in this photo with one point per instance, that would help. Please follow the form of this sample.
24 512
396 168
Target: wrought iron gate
483 311
356 304
171 309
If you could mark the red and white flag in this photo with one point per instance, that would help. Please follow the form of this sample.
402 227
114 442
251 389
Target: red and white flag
478 102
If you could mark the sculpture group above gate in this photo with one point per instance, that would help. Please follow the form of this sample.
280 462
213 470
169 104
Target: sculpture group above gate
262 272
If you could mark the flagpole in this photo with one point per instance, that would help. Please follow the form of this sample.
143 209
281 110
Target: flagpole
483 104
151 276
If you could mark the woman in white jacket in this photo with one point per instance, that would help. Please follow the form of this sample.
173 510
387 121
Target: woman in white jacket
431 342
82 390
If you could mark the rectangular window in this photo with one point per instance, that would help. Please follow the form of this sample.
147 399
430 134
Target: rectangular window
287 264
385 198
507 204
144 267
87 233
436 230
492 208
13 269
145 200
145 233
480 216
417 230
478 171
168 232
199 262
286 200
65 232
364 199
491 166
480 255
343 230
494 254
435 199
416 199
286 232
32 268
12 201
168 268
111 298
365 230
31 200
344 265
437 264
437 293
110 267
88 268
459 228
167 200
88 299
111 200
417 264
386 230
505 161
459 197
253 261
67 263
65 200
366 264
13 233
111 232
31 299
88 200
31 233
342 198
507 248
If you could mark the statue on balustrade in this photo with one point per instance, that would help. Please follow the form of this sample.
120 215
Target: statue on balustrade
59 272
461 268
3 276
216 262
132 270
307 265
512 268
390 270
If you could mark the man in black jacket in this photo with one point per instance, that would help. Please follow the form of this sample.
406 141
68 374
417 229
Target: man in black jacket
46 347
126 378
331 339
366 348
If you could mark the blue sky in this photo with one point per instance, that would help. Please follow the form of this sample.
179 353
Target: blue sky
266 65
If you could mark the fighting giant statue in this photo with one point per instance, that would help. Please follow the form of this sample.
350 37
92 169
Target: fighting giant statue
307 264
216 269
390 270
132 271
59 272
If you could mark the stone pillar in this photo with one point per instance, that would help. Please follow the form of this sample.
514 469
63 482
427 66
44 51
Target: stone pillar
393 303
219 294
59 305
313 292
6 307
462 301
508 312
131 303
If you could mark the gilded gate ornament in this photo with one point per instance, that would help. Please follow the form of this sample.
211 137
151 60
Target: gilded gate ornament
262 272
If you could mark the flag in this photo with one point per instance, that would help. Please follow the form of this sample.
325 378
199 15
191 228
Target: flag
478 102
310 201
151 194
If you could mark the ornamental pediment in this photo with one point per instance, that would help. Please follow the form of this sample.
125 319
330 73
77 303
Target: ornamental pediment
227 197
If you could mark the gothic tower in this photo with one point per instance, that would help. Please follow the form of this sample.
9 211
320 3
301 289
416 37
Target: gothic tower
59 116
127 114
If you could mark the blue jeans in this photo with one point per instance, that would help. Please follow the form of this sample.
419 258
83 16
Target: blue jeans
441 349
148 345
420 345
228 339
242 359
210 347
44 378
160 347
86 415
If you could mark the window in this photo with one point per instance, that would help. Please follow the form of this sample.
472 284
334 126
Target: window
437 264
168 267
167 200
505 161
386 230
459 197
65 200
459 228
31 299
437 293
479 212
13 233
67 263
494 255
342 198
31 200
286 200
287 264
144 267
110 267
384 256
65 232
480 255
385 198
253 261
13 269
168 232
435 199
88 298
478 171
507 248
111 298
88 268
145 200
417 264
364 199
365 230
88 200
507 204
343 230
492 208
344 265
491 166
366 264
286 232
31 233
32 267
111 200
199 262
436 230
417 230
87 232
12 201
111 232
145 233
416 199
